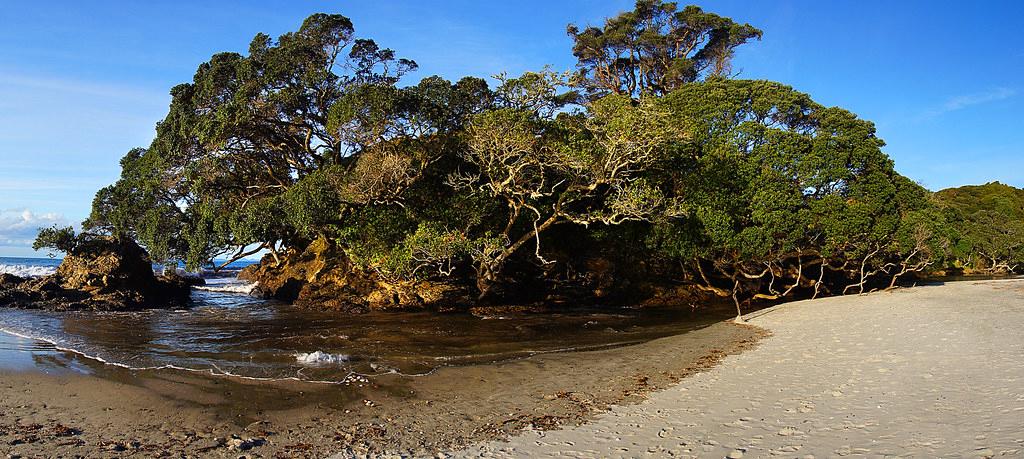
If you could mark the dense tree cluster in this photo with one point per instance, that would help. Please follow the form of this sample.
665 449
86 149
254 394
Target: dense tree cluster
649 157
990 219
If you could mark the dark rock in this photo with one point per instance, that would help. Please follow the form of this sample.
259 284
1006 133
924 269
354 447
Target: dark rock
10 280
103 273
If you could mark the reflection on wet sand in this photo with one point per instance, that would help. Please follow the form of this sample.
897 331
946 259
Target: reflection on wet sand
239 335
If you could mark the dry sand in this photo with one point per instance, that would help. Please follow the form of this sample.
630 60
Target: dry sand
932 371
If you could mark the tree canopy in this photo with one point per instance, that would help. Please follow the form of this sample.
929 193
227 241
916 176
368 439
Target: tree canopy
991 222
655 48
745 188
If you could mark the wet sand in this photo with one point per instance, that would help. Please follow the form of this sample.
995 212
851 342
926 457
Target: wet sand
931 371
113 412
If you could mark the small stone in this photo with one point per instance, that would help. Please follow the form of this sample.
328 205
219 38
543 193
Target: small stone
237 443
550 397
788 431
735 454
984 452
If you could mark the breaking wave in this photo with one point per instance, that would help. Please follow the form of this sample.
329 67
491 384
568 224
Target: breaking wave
27 270
243 288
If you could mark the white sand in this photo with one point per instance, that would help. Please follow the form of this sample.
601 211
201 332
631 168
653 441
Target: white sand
935 371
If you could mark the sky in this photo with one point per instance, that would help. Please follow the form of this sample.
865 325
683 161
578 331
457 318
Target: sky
81 83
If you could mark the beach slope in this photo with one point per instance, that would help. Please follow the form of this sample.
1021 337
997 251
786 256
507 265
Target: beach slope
929 371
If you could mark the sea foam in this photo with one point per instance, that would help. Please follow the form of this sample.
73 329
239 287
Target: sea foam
321 358
27 270
237 287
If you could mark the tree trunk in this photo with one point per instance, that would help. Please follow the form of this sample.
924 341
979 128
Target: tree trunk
735 299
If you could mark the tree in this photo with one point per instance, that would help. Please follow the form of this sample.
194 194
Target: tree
56 238
785 195
656 48
269 150
991 219
583 167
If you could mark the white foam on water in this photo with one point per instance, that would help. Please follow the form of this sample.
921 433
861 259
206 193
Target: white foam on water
243 288
321 358
215 371
27 270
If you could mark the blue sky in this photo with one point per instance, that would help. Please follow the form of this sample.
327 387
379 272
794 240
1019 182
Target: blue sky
83 82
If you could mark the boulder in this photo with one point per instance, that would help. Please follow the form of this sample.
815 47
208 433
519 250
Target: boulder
102 273
322 277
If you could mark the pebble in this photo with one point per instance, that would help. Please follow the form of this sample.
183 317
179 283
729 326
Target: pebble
984 452
735 454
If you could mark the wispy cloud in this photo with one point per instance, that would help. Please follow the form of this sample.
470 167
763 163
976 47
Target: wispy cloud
52 183
18 227
21 82
969 100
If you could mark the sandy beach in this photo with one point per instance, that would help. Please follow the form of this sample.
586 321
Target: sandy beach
930 371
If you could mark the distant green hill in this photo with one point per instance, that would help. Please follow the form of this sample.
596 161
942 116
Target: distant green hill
991 222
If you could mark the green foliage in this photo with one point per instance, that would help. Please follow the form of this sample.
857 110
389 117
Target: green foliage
56 238
991 219
312 204
656 48
430 251
775 181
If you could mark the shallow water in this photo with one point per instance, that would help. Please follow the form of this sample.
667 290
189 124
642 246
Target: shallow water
229 332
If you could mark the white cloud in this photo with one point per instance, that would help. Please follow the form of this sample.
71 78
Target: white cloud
18 227
968 100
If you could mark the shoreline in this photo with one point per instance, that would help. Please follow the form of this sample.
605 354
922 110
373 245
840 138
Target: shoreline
508 408
117 411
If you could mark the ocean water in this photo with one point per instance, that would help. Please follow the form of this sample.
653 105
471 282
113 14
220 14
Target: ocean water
225 331
28 267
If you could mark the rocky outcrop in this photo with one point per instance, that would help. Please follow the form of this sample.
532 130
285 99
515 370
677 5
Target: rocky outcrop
102 273
322 277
